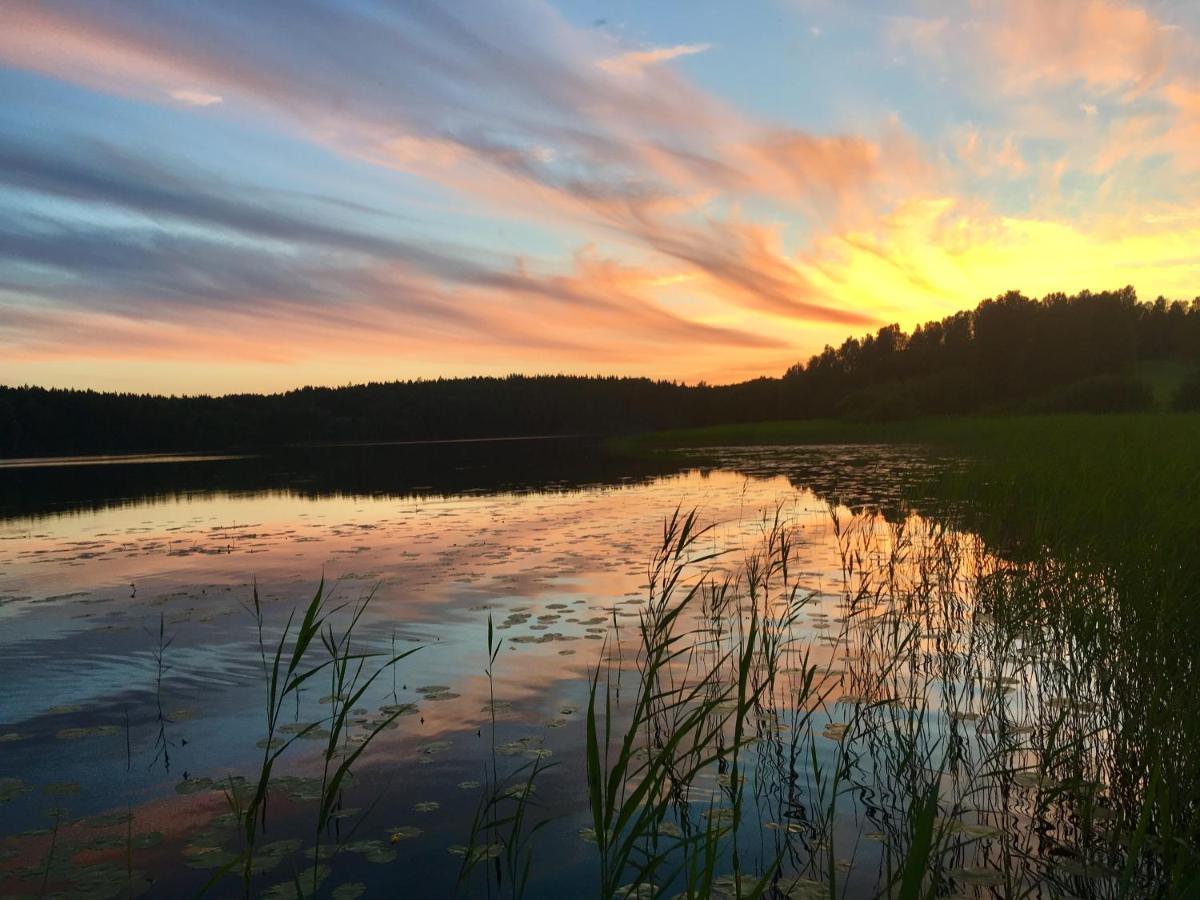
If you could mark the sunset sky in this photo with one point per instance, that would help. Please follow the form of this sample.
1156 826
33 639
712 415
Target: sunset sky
223 196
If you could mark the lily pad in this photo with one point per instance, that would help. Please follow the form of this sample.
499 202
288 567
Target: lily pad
11 788
207 857
193 785
835 731
75 734
61 789
978 876
286 890
640 891
804 889
476 854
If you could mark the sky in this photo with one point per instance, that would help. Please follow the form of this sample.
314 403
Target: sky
225 196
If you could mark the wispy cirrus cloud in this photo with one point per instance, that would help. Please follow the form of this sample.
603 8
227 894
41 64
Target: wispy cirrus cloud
634 62
192 97
245 252
1020 46
1105 45
536 121
613 210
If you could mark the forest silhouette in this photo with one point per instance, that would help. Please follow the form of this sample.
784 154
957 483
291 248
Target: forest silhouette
1061 353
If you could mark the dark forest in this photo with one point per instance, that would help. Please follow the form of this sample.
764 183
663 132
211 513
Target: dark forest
1061 353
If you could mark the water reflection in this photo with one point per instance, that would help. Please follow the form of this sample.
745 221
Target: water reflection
134 682
369 470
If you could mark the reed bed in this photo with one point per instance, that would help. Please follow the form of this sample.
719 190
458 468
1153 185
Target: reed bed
995 698
988 729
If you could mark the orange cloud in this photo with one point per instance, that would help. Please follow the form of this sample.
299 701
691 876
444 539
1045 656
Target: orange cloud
647 164
1109 46
701 230
634 62
599 313
989 154
38 38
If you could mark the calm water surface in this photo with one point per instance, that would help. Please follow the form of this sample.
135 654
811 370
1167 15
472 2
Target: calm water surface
131 672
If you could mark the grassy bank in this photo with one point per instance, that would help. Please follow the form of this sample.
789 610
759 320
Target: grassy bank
997 434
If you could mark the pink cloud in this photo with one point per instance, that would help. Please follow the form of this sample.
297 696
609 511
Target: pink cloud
1108 46
700 225
581 147
192 97
635 62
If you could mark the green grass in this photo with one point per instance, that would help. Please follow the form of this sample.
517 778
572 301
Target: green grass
1163 377
960 432
800 431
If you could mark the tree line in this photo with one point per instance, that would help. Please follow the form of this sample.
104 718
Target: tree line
38 420
1010 353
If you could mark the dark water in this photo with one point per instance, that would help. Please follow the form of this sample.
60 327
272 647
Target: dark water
133 687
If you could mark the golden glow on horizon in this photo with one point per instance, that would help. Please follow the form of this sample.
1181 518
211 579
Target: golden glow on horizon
709 243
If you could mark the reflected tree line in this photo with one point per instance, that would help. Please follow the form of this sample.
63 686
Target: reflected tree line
407 472
1010 354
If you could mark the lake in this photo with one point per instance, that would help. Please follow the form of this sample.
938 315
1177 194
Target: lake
795 678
